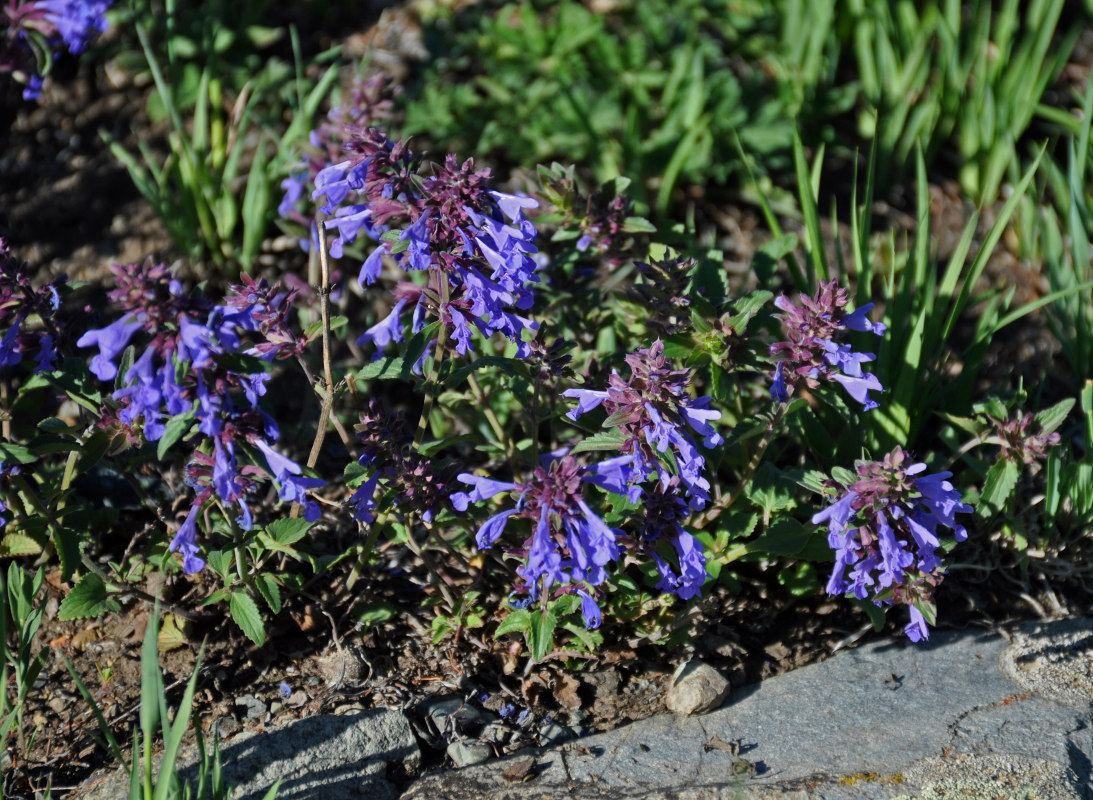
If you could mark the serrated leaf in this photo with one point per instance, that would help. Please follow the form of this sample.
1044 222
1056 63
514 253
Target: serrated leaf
541 634
88 598
1051 418
771 490
518 621
18 544
590 639
811 479
246 615
66 542
605 440
270 591
176 427
16 454
387 368
288 531
997 488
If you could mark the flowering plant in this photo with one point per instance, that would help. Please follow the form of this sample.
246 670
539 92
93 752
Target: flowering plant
33 31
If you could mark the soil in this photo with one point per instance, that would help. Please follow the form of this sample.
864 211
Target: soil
68 207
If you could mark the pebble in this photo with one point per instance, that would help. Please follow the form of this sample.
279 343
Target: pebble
253 708
463 754
441 709
553 733
696 688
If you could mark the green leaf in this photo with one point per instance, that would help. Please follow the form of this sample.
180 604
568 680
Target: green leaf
288 531
541 634
16 454
605 440
66 541
388 368
997 488
589 639
800 579
1051 418
509 366
176 427
372 614
88 598
18 544
788 537
771 490
518 621
270 591
245 613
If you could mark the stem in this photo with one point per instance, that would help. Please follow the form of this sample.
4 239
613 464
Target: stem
749 471
327 394
6 427
491 417
432 387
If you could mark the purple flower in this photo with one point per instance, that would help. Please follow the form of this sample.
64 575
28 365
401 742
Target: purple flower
185 542
811 353
284 690
884 534
654 414
569 543
590 611
293 489
387 330
77 21
110 340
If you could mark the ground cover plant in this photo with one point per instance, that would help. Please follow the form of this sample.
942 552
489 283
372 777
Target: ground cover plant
503 422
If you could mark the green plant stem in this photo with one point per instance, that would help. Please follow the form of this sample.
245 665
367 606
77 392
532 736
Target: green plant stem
749 472
432 388
491 417
423 553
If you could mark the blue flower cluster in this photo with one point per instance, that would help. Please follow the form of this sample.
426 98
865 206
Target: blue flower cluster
35 28
184 370
654 413
812 353
884 531
570 543
19 300
473 245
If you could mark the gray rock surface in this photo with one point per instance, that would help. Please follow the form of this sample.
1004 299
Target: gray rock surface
696 688
888 720
327 756
970 714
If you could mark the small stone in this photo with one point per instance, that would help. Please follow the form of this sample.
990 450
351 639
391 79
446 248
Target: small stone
252 707
552 733
463 754
443 708
696 688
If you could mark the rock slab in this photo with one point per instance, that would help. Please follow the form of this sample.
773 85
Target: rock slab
888 720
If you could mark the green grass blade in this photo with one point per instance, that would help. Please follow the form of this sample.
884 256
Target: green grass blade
814 242
110 740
